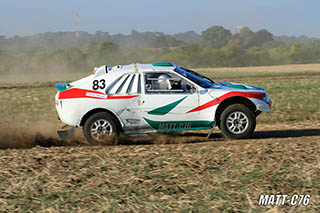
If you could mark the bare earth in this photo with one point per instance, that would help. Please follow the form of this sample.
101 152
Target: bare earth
178 172
164 173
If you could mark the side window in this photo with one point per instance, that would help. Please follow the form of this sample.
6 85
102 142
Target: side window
126 84
164 82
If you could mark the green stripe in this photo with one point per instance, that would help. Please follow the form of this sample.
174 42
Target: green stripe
164 126
256 87
166 64
235 86
165 109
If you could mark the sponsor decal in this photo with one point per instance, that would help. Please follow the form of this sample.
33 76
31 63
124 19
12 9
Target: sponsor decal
257 95
283 199
173 126
122 97
166 108
164 126
96 95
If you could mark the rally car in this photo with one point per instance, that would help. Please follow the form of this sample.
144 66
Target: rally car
159 97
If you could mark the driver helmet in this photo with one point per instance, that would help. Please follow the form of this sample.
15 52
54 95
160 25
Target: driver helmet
164 82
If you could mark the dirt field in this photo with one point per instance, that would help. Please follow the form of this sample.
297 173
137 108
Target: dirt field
179 172
182 172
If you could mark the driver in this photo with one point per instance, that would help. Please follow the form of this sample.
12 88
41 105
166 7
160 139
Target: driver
164 82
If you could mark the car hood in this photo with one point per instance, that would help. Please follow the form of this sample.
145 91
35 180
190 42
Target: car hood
232 87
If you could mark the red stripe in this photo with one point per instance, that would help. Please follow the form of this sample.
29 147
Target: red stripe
82 93
257 95
78 93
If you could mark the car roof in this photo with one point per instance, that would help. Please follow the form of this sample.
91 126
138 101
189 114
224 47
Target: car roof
161 66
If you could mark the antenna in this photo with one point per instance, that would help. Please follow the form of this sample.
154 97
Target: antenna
76 24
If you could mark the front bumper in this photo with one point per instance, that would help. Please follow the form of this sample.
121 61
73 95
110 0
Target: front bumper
261 105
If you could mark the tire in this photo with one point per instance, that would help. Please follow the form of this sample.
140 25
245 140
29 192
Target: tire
101 128
237 122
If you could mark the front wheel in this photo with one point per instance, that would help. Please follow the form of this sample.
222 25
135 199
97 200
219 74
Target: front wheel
237 122
100 127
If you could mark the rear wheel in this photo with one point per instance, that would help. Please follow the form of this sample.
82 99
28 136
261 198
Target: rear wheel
237 122
101 128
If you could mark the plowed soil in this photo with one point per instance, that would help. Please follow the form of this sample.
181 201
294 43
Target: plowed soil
162 173
176 172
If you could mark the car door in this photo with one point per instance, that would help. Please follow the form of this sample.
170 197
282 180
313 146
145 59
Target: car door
165 100
124 94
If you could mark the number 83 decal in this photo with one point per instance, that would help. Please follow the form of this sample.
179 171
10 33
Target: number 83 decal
99 84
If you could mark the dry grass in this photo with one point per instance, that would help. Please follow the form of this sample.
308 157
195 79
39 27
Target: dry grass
282 72
180 172
198 177
215 73
293 100
277 68
37 78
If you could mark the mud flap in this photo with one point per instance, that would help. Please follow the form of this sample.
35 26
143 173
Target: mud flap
65 134
210 131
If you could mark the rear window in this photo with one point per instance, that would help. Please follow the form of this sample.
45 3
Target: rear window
126 84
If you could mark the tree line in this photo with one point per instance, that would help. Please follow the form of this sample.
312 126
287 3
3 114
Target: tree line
215 47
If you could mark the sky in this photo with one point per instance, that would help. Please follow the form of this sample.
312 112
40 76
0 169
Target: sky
281 17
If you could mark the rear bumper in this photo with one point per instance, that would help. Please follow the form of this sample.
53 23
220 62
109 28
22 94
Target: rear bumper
66 113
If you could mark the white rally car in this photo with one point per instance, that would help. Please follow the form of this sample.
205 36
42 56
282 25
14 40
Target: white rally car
158 97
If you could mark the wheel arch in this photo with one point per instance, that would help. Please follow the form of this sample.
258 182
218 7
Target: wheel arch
94 111
234 100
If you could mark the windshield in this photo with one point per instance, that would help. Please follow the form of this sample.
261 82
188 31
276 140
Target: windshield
195 77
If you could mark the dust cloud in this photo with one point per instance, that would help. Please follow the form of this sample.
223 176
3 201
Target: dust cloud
23 136
13 135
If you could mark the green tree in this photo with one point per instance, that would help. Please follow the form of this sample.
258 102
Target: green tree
216 37
248 38
279 55
261 37
256 56
314 51
165 41
232 56
299 53
75 58
103 53
245 36
211 57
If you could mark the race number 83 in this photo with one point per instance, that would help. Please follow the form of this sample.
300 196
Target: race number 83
99 84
